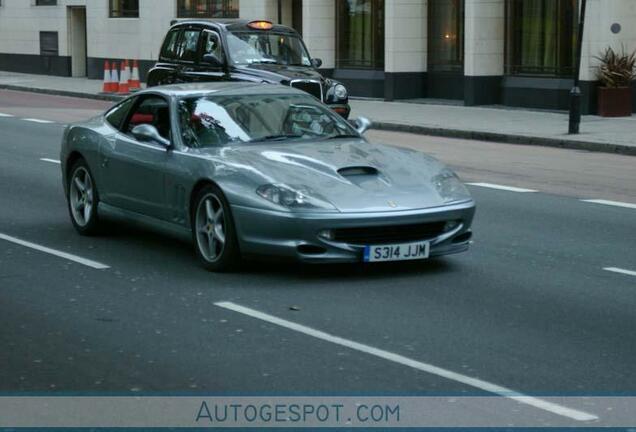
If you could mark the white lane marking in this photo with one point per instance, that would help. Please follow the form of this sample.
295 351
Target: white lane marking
89 263
501 187
425 367
55 161
611 203
5 115
620 270
33 120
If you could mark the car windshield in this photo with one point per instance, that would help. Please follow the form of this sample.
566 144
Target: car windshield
264 47
212 121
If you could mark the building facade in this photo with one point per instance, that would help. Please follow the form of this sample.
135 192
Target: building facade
479 52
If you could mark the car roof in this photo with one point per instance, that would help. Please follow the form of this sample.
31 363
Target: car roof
229 24
222 88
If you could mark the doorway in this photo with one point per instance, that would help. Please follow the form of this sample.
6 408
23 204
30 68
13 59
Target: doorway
77 41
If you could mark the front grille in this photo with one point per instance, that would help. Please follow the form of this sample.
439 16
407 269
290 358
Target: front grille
389 234
314 88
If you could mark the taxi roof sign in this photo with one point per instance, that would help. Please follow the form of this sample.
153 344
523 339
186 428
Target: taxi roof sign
260 25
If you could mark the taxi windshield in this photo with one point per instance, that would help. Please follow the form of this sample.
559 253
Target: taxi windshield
217 120
266 47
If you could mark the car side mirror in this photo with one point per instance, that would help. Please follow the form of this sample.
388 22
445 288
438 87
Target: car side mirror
212 60
362 124
146 132
316 62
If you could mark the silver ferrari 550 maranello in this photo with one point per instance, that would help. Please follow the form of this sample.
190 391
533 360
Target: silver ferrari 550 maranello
261 170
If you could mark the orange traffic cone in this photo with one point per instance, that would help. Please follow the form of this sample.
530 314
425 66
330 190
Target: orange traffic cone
108 81
123 79
134 83
114 78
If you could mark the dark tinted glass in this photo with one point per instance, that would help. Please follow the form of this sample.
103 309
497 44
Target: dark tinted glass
446 35
169 49
541 37
360 34
208 8
188 44
124 8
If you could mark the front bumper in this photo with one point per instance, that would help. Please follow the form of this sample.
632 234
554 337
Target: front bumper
267 233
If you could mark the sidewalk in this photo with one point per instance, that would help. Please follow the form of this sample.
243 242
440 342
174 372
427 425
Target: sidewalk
499 124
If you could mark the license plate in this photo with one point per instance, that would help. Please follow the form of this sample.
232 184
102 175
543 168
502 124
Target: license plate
398 252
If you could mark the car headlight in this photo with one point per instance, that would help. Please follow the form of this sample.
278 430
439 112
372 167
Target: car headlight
340 91
295 197
449 187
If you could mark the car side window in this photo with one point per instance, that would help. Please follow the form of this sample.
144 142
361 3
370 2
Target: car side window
117 115
188 44
212 44
169 49
152 110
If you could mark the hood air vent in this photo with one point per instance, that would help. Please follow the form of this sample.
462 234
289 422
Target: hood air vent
358 171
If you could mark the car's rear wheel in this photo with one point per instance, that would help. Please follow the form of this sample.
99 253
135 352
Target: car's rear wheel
83 199
213 231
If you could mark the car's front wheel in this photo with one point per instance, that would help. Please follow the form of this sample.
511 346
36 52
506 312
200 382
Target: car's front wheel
83 199
213 231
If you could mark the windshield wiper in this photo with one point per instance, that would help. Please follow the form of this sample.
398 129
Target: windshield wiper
281 137
342 136
266 61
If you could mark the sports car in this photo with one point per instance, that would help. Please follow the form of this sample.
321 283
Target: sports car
254 169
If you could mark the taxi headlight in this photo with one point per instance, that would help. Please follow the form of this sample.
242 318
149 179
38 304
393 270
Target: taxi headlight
340 91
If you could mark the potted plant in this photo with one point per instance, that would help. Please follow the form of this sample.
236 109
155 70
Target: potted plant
616 74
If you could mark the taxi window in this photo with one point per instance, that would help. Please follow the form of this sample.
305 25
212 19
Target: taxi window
212 44
169 49
188 44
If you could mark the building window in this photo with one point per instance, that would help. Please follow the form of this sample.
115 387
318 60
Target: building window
208 8
46 2
360 34
446 35
49 45
124 9
541 37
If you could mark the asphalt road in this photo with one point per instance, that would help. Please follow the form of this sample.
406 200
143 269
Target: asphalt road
530 307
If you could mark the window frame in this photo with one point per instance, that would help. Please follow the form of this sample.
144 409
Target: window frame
111 111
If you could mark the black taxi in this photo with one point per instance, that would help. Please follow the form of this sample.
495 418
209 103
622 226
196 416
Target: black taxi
242 50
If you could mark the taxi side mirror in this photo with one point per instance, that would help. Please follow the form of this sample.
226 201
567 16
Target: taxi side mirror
316 62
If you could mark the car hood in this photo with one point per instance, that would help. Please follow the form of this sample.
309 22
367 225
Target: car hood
281 73
354 175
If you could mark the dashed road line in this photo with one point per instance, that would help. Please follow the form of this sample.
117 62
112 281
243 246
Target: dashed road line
611 203
33 120
405 361
502 187
5 115
89 263
620 271
55 161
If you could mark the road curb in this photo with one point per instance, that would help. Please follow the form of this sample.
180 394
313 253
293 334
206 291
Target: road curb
508 138
55 92
414 129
